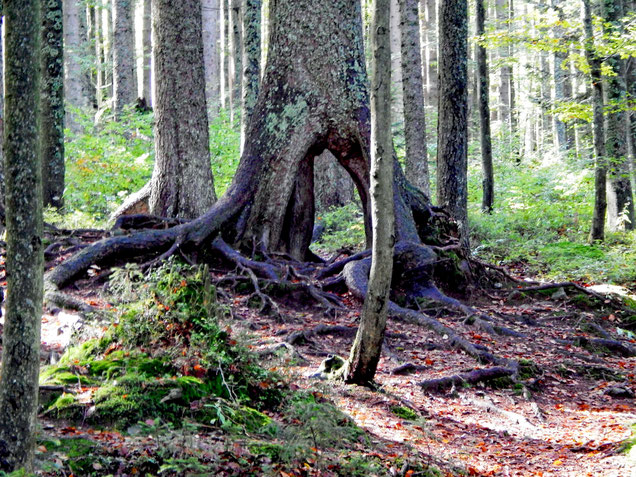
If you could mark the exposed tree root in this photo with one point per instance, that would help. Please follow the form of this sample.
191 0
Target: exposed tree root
472 377
597 344
69 302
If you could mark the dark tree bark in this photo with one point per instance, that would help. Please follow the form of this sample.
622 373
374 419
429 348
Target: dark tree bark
416 167
182 183
124 71
52 103
600 201
25 261
251 60
452 126
367 346
620 202
484 113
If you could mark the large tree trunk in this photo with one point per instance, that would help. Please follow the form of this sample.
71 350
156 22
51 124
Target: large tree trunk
367 346
182 183
413 95
313 97
484 113
25 260
620 203
452 126
251 60
124 71
600 201
52 103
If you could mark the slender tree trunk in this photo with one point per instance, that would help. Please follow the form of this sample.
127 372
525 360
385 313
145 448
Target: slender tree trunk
224 26
147 52
52 103
74 41
211 30
560 78
332 185
397 98
236 56
452 127
107 43
620 202
546 99
25 262
432 75
251 61
367 346
600 190
484 113
124 78
2 178
413 94
100 77
505 72
182 183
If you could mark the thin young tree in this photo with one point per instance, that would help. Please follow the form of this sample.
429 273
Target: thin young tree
25 260
416 167
452 126
600 189
488 180
251 60
367 346
52 103
182 183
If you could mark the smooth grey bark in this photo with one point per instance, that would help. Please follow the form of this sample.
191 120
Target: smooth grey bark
481 54
452 126
52 103
502 9
124 71
597 231
107 48
25 261
212 58
95 27
251 14
620 202
146 34
74 48
182 183
367 346
396 63
224 47
416 168
431 66
2 193
332 185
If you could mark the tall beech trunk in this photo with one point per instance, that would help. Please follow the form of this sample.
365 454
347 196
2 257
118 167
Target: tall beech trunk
211 33
107 47
452 126
74 48
413 96
124 71
488 181
620 202
505 72
25 260
600 189
432 78
52 103
182 183
367 346
224 48
2 180
251 60
560 79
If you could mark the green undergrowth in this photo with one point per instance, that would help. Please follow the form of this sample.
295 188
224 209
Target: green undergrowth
167 353
542 218
344 227
108 161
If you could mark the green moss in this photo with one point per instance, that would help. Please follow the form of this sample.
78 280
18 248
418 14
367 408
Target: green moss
527 369
272 450
404 413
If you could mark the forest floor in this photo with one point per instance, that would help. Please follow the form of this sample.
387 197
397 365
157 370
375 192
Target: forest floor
567 418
